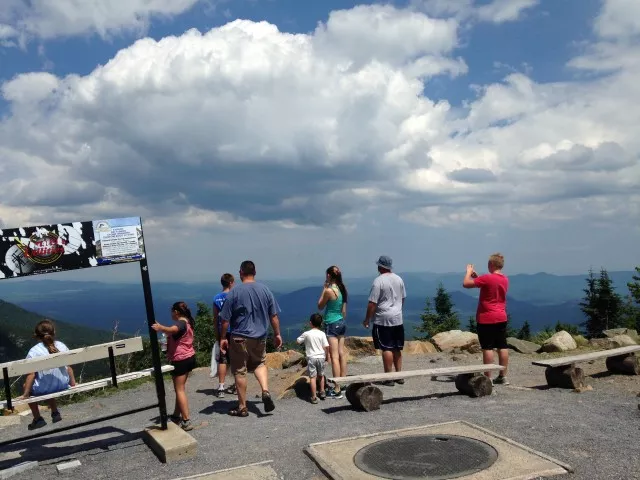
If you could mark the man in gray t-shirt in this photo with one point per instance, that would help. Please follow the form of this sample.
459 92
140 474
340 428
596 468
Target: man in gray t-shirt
249 308
386 300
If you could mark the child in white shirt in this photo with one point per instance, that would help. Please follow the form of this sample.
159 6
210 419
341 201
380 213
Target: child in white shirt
316 348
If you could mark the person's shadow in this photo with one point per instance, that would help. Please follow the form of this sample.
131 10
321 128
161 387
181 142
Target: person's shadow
222 407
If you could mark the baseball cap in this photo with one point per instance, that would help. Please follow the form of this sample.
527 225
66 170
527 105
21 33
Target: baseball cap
385 262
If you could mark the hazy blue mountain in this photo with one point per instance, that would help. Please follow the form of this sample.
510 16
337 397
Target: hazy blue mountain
542 299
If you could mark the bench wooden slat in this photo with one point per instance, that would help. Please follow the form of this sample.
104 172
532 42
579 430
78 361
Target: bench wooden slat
88 386
432 372
585 357
72 357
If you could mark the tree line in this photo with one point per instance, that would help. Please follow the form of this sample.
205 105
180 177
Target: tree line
603 307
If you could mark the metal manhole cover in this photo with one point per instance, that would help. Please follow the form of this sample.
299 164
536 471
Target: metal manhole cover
425 457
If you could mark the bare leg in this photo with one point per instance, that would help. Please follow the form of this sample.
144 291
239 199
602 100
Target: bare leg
387 361
503 357
397 360
53 405
262 375
487 358
321 383
222 372
182 403
334 346
343 357
241 390
314 386
35 410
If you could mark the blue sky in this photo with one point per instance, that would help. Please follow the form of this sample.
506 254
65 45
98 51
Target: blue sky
434 131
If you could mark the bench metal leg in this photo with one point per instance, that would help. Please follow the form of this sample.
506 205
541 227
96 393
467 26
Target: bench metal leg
112 366
629 364
7 387
565 376
474 385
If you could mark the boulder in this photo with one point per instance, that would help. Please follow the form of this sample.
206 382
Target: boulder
448 341
604 343
560 342
580 341
418 347
280 360
360 346
623 341
522 346
614 332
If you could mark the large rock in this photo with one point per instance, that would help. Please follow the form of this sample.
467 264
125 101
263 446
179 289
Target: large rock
614 332
560 342
522 346
623 341
280 360
447 341
418 347
359 346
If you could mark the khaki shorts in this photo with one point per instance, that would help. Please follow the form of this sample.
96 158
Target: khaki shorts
246 354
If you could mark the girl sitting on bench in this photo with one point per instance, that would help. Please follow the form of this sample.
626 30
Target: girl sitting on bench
47 381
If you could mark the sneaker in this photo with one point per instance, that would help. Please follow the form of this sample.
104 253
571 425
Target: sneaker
269 406
37 423
387 383
56 417
231 390
501 380
186 425
322 395
220 393
314 400
336 395
400 381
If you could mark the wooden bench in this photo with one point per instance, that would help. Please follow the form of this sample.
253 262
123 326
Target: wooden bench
562 372
73 357
361 393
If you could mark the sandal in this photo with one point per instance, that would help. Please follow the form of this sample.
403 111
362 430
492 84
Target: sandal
269 406
239 412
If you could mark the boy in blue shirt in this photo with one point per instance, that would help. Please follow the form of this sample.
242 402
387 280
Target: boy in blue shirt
227 281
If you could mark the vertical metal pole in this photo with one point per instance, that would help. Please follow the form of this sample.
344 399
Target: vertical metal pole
7 387
112 365
155 347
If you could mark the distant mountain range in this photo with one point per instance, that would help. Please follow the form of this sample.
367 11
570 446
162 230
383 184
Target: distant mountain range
542 299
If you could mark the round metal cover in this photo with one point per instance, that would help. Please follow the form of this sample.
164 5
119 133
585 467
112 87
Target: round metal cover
425 457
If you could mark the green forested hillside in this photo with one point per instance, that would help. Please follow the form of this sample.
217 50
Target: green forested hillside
16 332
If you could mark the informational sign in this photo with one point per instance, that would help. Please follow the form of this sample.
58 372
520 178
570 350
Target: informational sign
69 246
118 240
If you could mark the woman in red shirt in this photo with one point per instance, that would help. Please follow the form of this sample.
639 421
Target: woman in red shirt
491 315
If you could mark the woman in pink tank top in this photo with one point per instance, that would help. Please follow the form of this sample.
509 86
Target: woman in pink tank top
181 354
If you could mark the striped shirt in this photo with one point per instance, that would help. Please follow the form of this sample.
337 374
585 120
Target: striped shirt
49 381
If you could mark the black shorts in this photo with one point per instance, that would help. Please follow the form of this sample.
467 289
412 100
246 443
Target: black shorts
492 335
182 367
388 338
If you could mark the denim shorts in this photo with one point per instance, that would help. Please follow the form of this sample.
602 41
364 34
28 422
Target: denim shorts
336 329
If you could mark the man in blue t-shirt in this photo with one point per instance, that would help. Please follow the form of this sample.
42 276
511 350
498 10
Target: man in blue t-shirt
227 282
249 309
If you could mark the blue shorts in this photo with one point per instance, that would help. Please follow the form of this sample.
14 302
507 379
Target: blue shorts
336 329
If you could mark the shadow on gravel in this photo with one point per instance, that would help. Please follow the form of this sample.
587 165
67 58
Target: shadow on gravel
432 396
222 407
208 391
50 448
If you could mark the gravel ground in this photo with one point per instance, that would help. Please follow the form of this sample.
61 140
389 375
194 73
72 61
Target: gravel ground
596 432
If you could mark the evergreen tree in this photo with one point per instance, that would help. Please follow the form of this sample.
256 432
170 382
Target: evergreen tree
601 304
634 287
443 319
511 332
633 302
525 331
472 326
567 327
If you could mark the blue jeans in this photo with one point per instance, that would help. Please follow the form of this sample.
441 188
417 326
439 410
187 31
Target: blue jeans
336 329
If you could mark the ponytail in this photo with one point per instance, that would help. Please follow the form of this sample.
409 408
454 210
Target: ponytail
45 332
336 275
183 309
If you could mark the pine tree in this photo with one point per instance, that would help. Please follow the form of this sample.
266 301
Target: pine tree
443 319
634 287
511 332
601 304
525 331
633 302
472 326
